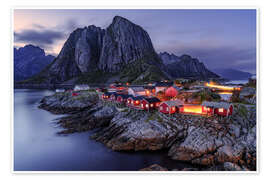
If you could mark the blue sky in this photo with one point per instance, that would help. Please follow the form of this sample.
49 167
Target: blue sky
219 38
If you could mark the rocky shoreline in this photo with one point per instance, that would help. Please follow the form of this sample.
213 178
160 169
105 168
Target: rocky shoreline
213 143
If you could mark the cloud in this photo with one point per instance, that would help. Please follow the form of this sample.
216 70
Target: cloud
44 37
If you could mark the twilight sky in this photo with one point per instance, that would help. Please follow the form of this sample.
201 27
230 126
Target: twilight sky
219 38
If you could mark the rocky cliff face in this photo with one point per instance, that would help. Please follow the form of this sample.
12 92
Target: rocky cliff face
124 42
29 60
186 66
80 54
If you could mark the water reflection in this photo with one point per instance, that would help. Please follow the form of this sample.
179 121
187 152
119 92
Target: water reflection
37 147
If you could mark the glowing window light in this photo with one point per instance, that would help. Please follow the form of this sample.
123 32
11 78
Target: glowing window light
167 109
152 105
147 105
173 108
220 110
137 102
161 108
142 105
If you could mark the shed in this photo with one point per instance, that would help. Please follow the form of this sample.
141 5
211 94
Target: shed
136 91
219 108
150 103
170 107
81 87
60 90
162 86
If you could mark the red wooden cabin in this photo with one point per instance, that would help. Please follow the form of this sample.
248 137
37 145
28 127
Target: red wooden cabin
113 96
169 107
218 108
192 109
106 96
122 98
75 94
150 103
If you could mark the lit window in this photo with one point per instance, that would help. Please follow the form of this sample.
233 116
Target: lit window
161 108
167 109
146 105
208 109
173 108
142 105
151 105
220 110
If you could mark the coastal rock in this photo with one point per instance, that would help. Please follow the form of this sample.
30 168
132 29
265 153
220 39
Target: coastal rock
61 103
154 167
88 119
203 146
139 131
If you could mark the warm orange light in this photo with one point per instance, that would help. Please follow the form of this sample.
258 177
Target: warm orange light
197 109
227 88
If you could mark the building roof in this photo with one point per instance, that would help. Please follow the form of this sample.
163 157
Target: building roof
191 91
163 84
138 98
177 88
216 104
174 103
82 85
124 96
137 89
152 99
149 87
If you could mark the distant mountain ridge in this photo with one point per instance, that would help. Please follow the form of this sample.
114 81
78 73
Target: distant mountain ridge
29 61
185 66
121 52
232 74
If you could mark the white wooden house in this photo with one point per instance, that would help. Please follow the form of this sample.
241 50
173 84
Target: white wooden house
136 91
81 87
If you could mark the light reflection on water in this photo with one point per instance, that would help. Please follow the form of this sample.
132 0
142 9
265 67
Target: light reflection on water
37 147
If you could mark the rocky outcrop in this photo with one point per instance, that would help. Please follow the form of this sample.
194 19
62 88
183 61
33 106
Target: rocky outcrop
233 140
185 67
154 167
139 131
61 103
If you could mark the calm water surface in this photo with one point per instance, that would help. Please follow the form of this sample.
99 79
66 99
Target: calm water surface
37 147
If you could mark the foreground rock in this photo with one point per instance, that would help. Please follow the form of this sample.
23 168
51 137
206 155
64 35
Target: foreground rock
233 140
154 167
62 103
88 119
213 143
139 130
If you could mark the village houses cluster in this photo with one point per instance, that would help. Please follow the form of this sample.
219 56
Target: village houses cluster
146 98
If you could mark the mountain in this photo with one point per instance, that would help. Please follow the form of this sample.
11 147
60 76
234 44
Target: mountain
185 67
121 52
232 74
29 60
